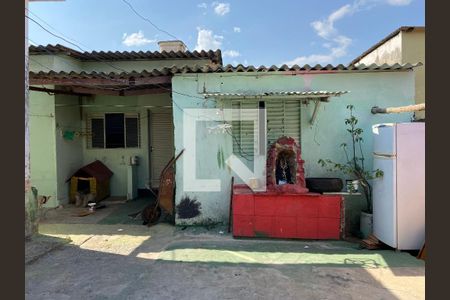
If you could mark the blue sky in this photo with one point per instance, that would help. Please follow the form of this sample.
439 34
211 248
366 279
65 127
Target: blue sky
256 32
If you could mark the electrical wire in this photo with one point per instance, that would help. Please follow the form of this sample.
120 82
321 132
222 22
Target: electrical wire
148 20
111 65
59 32
117 68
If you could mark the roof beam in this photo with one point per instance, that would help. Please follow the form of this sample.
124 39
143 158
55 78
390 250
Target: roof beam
124 92
94 91
101 81
88 91
147 91
56 91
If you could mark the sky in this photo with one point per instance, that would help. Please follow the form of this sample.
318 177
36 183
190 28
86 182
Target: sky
250 32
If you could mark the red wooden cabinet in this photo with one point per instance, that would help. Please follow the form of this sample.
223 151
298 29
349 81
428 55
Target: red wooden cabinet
302 216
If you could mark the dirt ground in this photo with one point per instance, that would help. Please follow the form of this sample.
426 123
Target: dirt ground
165 262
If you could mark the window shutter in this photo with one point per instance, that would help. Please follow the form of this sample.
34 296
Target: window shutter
244 133
96 126
275 120
236 126
132 133
292 119
283 118
114 130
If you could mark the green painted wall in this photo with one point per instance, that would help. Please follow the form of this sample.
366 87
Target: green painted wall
321 140
69 154
117 159
56 63
54 159
43 145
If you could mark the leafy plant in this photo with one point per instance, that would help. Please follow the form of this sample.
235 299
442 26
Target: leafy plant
355 161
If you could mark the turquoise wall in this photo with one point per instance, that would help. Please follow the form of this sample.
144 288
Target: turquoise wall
322 140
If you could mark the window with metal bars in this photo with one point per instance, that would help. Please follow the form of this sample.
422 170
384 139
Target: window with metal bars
114 130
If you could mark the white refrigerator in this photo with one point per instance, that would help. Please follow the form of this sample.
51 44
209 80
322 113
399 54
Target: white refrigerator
399 196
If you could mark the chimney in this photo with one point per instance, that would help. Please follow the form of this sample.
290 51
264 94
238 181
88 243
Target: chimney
172 46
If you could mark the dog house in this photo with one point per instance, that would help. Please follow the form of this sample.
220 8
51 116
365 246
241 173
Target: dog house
93 178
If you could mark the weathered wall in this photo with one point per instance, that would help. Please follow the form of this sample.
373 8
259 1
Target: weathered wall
43 145
31 222
414 51
319 141
117 159
390 52
405 47
69 153
56 63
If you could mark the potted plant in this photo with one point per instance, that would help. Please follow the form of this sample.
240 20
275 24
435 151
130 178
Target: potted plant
355 167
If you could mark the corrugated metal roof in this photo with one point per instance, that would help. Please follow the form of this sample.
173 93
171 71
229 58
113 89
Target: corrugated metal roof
174 70
214 56
281 93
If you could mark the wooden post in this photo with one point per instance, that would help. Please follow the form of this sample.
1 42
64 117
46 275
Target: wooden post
315 112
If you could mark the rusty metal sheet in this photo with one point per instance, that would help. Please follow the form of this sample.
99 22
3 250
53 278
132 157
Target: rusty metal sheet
166 190
166 185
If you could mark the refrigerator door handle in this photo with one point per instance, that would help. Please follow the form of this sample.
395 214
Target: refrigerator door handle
385 156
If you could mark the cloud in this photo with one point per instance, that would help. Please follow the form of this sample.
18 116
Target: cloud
231 53
221 9
337 44
399 2
207 40
202 5
325 28
310 59
135 39
237 29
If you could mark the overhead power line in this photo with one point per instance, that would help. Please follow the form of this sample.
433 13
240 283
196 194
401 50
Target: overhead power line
54 34
241 151
105 62
148 20
56 30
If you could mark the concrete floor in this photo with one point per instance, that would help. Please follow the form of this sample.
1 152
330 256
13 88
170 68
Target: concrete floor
68 214
165 262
